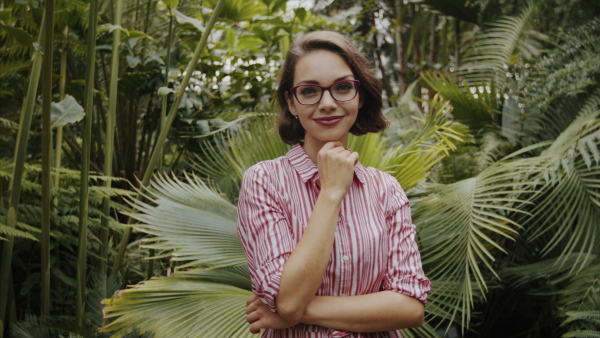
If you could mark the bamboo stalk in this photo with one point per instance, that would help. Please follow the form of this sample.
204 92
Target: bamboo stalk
170 118
59 129
47 154
17 177
85 161
163 114
109 142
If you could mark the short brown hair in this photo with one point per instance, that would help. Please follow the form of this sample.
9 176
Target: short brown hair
369 120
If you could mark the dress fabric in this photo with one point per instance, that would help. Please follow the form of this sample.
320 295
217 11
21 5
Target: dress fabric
374 247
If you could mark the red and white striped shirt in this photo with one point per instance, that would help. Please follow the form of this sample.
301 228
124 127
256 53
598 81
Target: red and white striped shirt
374 247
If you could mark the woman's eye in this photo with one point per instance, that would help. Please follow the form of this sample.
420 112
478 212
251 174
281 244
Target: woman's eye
308 90
342 87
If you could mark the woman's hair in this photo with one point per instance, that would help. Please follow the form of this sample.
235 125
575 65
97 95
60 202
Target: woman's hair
369 119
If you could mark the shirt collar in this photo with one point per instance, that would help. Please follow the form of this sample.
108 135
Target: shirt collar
308 170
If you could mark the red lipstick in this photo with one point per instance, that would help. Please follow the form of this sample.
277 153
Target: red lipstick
329 120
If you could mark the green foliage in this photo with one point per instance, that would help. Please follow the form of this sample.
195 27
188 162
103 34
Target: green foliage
499 156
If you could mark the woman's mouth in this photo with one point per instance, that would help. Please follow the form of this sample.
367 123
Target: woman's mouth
329 120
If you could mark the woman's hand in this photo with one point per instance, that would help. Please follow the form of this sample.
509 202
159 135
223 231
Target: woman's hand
259 316
336 169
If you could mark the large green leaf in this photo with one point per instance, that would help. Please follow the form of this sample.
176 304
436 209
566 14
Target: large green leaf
462 227
66 111
498 46
474 106
184 305
566 217
191 219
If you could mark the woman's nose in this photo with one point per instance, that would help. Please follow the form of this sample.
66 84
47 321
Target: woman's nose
327 101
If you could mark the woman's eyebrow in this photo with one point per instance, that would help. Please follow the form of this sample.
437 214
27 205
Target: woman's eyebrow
317 82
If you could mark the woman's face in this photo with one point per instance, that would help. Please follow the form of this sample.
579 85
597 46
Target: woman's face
327 120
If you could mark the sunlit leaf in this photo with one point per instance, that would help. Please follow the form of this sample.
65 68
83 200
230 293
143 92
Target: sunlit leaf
66 111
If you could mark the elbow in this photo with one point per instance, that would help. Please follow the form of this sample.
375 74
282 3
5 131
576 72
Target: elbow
418 318
290 312
415 319
411 313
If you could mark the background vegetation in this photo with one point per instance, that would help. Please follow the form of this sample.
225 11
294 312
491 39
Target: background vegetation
126 126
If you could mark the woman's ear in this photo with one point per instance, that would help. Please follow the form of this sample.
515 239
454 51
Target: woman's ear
290 103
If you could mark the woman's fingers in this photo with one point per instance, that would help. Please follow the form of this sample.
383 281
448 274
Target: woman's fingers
251 299
252 317
353 156
252 306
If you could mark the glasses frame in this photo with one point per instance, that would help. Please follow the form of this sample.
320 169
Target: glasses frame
323 89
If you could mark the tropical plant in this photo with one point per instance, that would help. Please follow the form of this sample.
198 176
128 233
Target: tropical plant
521 148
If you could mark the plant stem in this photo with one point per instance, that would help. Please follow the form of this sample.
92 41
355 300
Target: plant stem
59 130
170 118
47 154
85 161
109 144
17 177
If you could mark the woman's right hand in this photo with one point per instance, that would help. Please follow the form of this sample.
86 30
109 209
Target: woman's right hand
336 169
259 316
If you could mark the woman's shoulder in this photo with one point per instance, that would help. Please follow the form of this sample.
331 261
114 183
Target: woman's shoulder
267 168
269 165
381 177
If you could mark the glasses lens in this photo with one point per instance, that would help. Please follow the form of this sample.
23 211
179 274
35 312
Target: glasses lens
343 91
308 94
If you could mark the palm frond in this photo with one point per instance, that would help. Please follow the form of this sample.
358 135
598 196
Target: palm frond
550 271
461 228
185 305
493 51
475 106
567 71
568 205
191 219
580 302
436 136
224 159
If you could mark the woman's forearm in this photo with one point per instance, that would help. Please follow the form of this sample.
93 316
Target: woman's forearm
303 272
381 311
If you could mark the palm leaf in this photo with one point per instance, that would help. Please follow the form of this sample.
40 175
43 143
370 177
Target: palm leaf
225 158
568 205
461 226
191 219
474 106
185 305
494 50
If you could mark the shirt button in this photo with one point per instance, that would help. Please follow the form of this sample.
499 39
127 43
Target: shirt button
345 258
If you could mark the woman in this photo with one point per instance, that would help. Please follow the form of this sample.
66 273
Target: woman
330 243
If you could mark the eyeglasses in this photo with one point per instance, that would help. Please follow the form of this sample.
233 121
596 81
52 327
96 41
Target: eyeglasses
341 91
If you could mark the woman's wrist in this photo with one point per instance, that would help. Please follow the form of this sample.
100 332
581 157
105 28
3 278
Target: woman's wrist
332 196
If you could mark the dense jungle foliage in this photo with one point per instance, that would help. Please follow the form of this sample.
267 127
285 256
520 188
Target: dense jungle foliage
126 126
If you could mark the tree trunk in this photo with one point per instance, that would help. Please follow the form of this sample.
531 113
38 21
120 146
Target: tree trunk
434 41
400 50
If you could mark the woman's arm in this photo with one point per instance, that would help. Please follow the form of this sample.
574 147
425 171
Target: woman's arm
381 311
303 271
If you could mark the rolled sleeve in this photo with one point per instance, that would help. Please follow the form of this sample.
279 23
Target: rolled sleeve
404 272
264 232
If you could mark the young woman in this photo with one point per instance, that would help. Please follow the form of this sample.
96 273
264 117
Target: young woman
330 243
